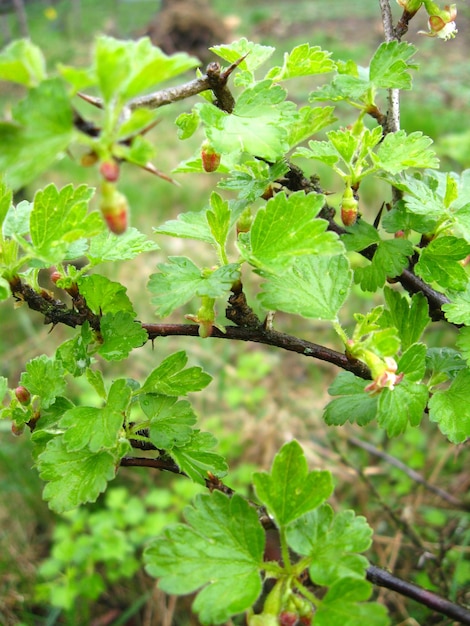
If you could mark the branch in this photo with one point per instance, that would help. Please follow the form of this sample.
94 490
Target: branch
382 578
410 472
267 337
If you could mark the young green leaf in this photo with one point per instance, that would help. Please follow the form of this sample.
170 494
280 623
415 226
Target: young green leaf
171 379
439 263
458 309
389 67
73 354
410 317
252 178
314 287
196 459
286 229
187 124
189 225
44 377
103 295
344 605
171 421
389 260
219 219
256 54
75 477
127 68
401 406
37 134
110 247
399 151
258 124
290 490
332 541
219 551
304 60
120 334
450 408
413 362
22 62
180 280
97 429
311 121
17 218
60 218
353 405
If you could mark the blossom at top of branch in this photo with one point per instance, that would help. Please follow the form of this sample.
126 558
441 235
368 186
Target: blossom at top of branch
441 21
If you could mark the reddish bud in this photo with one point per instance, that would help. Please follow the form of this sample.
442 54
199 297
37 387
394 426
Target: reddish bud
56 276
268 193
210 158
400 234
109 170
17 430
22 395
114 208
349 206
287 618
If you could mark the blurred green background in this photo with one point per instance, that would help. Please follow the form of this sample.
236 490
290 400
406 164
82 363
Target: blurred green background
83 568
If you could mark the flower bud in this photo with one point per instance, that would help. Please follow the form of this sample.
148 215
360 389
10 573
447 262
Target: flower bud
114 208
349 206
22 394
89 159
210 158
109 170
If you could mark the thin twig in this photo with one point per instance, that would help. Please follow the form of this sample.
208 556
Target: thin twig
410 472
382 578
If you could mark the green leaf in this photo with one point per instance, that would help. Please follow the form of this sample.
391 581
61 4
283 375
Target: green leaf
60 218
322 151
450 408
331 540
171 379
110 247
180 280
44 377
187 124
354 405
256 54
412 363
97 429
311 121
314 287
120 334
3 387
252 177
22 62
258 124
399 151
189 225
304 60
286 229
444 361
290 490
38 133
73 354
95 378
438 263
16 222
401 406
127 68
171 421
389 67
410 317
341 606
74 477
219 551
458 309
360 236
389 260
219 219
195 459
103 295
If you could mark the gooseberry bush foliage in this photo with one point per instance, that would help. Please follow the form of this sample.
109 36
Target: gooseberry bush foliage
267 215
